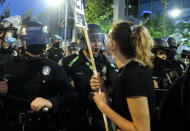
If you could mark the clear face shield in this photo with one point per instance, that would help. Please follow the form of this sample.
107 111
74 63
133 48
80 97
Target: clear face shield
35 35
56 41
35 39
97 42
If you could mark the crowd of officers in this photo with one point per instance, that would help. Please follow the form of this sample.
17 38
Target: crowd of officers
44 89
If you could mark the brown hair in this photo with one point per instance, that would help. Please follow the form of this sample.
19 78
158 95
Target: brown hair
134 41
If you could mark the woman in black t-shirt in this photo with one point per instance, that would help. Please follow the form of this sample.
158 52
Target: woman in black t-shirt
132 102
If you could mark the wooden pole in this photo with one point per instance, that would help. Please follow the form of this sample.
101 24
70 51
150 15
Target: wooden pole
94 70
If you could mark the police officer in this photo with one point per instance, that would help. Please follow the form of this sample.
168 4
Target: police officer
160 73
55 53
178 65
162 66
175 107
73 48
32 83
80 70
8 33
186 55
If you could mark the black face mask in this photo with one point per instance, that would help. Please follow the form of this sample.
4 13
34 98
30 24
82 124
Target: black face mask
171 55
32 60
161 64
56 45
36 49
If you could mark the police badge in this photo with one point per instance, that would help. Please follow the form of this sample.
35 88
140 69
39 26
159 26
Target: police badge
104 71
46 70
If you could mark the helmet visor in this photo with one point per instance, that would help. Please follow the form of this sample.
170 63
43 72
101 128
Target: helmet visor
97 37
35 35
97 41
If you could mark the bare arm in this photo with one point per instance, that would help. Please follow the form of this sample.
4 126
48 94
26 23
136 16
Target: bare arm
138 107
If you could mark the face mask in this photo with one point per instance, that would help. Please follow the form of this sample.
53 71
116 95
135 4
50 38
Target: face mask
36 49
56 45
32 60
10 40
110 58
171 55
117 60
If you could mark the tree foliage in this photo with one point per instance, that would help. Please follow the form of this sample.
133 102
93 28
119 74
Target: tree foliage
155 26
98 12
184 29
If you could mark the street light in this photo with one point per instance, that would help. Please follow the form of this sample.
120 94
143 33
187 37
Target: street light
57 4
175 12
54 2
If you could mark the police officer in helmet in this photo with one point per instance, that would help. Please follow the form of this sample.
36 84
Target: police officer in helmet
172 43
162 66
160 73
8 35
178 65
74 48
80 70
32 83
55 53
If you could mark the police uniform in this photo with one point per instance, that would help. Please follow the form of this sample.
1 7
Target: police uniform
175 106
80 70
7 53
55 54
161 71
28 80
178 65
9 33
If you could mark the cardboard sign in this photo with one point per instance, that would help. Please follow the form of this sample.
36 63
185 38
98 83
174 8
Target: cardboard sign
79 14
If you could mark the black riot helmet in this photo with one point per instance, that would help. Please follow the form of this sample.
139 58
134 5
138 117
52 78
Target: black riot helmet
35 36
172 43
96 37
56 41
160 44
73 47
93 28
55 38
12 23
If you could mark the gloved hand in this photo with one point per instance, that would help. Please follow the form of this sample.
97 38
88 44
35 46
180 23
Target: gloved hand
173 75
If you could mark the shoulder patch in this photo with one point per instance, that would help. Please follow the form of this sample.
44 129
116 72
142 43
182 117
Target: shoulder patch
73 61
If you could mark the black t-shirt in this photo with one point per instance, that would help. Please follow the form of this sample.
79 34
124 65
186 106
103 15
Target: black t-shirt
133 80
